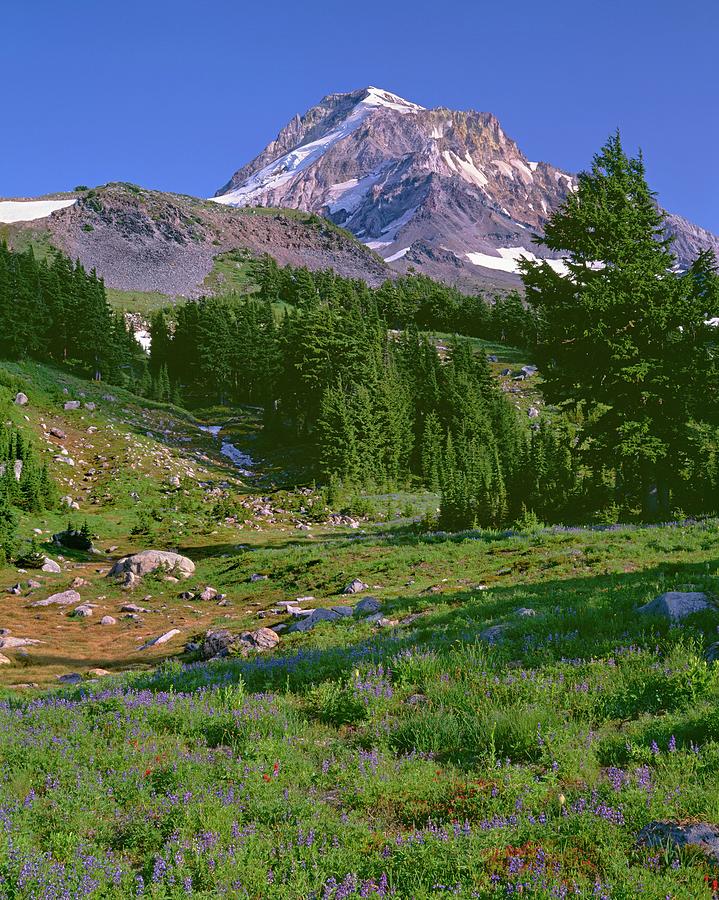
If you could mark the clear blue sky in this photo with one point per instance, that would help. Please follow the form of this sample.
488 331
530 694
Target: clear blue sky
176 95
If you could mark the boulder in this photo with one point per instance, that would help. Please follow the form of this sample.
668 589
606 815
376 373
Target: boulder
64 598
21 399
315 617
529 371
367 606
51 566
533 412
58 433
702 835
70 678
91 406
174 481
525 611
140 564
108 620
223 642
355 587
676 605
98 673
82 612
711 654
162 639
343 611
209 593
257 577
133 608
4 661
72 404
494 634
12 643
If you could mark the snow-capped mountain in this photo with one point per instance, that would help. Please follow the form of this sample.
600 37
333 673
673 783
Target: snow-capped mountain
447 192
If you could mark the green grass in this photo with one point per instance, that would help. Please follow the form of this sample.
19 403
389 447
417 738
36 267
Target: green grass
413 759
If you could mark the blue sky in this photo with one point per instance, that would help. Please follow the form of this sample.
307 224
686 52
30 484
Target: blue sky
177 95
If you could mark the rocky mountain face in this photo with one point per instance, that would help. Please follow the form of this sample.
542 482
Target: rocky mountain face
446 192
142 240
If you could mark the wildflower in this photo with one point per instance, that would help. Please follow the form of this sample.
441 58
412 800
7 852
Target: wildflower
276 769
266 776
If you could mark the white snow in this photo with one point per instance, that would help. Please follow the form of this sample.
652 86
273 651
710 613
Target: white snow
533 166
391 230
525 173
398 255
241 461
144 339
508 260
286 167
349 194
503 167
465 168
28 210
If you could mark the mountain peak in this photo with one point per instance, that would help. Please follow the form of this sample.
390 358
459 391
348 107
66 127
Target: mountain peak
443 191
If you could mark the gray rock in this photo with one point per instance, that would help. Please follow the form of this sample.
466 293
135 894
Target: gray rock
367 607
711 654
676 605
108 620
17 468
51 566
72 404
529 371
224 642
21 399
15 589
533 412
12 643
98 673
58 433
91 406
494 634
525 611
343 611
82 612
702 835
70 678
174 481
257 577
162 639
64 598
32 583
355 587
209 593
140 564
133 608
316 616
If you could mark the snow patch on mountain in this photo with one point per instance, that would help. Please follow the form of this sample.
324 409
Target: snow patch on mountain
508 260
398 255
28 210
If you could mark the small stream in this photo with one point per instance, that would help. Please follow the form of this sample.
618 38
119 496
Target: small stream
242 461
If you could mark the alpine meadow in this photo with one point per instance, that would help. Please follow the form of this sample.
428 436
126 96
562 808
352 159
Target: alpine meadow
359 524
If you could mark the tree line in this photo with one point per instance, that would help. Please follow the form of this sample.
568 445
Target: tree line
55 310
25 483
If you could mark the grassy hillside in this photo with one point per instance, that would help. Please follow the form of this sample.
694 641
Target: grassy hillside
507 727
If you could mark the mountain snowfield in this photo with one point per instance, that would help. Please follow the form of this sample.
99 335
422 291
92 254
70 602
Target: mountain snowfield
29 210
443 191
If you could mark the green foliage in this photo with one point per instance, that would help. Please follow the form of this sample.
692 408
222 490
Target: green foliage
623 339
54 310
